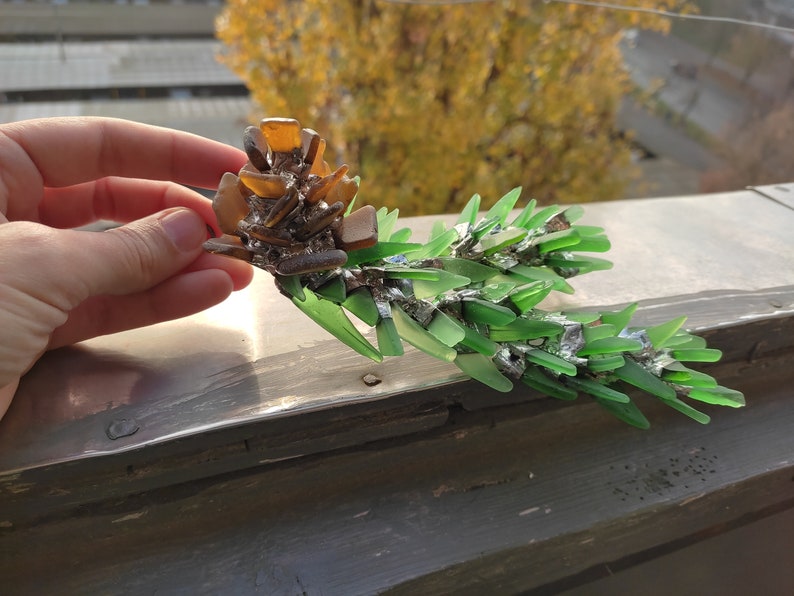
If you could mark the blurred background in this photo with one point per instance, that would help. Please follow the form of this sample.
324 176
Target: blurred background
429 101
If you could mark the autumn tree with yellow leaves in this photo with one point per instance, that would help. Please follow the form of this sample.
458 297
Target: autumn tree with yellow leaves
430 103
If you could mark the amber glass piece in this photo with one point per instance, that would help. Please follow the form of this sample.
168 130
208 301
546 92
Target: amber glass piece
358 230
255 147
273 236
310 141
229 204
319 167
312 262
345 191
230 246
320 219
282 134
282 207
267 186
319 191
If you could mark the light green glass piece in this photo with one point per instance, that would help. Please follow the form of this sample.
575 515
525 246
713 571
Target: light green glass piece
589 230
527 297
720 396
675 376
583 263
685 340
626 412
361 303
659 334
551 362
619 318
524 329
446 329
389 341
697 354
401 235
540 381
599 364
439 227
526 213
599 243
558 240
698 379
687 410
541 274
386 222
332 318
424 289
585 318
379 251
483 369
493 243
428 273
469 213
573 213
334 290
594 332
502 208
418 336
610 345
598 390
497 291
292 285
475 271
437 247
541 217
473 340
487 313
636 375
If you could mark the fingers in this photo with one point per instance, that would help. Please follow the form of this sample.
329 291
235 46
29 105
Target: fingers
69 151
179 296
118 199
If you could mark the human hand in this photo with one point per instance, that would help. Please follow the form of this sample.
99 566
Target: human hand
59 285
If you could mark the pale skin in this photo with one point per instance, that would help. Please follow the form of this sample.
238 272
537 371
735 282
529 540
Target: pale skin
59 285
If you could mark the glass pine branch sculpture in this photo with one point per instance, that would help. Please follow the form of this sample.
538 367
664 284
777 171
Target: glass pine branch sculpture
467 296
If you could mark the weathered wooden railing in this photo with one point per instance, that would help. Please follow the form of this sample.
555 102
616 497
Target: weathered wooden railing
244 450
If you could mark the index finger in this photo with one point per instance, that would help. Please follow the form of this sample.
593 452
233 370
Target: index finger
69 151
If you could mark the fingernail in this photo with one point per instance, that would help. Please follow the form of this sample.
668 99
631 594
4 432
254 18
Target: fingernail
185 228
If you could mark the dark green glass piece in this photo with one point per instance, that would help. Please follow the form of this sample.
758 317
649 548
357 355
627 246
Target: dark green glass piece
361 303
528 296
687 410
599 364
659 334
626 412
541 217
487 313
477 342
524 329
636 375
583 263
596 389
497 291
381 250
697 354
389 341
483 369
610 345
332 318
540 381
333 290
418 336
551 362
720 396
292 285
698 379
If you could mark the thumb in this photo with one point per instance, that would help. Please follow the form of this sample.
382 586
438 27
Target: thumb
139 255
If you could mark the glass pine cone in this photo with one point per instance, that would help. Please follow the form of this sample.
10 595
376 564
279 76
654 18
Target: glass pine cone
467 296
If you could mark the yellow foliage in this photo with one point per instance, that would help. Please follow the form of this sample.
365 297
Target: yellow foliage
432 103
